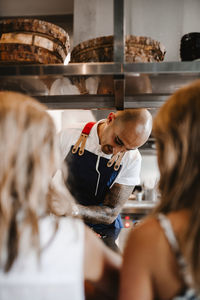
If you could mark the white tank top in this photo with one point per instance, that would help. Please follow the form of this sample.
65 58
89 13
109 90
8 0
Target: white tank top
59 275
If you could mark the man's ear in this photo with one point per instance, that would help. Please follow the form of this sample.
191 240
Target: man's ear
111 117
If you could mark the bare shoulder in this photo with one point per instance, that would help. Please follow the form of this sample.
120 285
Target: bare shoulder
137 270
147 249
144 239
145 230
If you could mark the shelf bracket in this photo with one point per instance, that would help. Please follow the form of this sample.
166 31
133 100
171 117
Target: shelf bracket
119 40
119 90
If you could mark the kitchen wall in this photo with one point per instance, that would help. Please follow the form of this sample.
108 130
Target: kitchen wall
35 7
95 17
165 21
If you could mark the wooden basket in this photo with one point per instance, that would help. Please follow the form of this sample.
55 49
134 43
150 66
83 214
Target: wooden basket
137 49
32 41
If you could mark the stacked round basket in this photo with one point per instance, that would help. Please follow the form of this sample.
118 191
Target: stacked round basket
137 49
25 40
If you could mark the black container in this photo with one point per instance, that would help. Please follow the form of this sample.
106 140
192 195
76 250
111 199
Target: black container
190 46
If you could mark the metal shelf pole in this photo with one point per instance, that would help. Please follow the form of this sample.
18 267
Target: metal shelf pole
119 41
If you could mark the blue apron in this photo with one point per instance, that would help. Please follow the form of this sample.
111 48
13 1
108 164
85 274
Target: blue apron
87 186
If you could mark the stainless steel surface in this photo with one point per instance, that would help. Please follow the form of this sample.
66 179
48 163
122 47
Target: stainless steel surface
119 39
145 100
174 67
61 70
119 92
99 102
138 207
78 102
163 79
182 69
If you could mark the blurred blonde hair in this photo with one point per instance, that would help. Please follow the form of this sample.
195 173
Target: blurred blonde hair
177 132
29 157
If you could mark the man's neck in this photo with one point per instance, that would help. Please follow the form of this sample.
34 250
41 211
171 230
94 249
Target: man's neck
100 128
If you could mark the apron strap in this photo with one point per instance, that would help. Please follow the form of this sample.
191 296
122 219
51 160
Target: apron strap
115 159
82 139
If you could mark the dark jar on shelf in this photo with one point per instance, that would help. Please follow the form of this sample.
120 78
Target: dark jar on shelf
190 46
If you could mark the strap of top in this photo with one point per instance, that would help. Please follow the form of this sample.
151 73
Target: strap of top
169 233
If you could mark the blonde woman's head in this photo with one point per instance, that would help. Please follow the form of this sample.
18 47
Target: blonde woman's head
28 160
177 132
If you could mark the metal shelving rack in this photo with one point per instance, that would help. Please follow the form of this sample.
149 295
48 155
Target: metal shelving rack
164 77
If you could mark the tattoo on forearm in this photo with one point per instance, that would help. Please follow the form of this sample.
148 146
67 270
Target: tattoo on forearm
112 205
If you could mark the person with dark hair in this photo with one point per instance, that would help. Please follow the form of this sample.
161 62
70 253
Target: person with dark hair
104 164
42 256
162 255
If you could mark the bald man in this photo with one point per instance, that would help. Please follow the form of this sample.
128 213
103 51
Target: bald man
104 164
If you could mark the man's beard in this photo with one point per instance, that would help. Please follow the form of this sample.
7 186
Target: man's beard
107 149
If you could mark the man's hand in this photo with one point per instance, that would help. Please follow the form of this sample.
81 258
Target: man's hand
61 202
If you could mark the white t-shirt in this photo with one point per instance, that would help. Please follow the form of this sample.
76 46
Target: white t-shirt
59 275
131 162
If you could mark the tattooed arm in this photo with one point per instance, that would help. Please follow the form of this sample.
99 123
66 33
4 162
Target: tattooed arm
111 207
